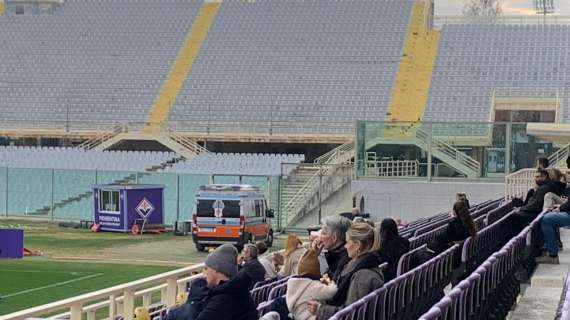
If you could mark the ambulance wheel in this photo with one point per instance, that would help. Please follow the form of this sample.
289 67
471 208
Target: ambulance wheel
269 240
200 247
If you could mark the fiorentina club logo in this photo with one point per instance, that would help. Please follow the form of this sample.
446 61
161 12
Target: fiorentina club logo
144 208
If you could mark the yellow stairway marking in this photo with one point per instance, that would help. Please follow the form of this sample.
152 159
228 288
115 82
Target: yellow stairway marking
181 68
2 7
411 88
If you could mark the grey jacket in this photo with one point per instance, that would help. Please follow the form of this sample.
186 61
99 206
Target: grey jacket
362 283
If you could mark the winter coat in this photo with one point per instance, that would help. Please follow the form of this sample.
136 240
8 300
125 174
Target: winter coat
267 264
337 259
456 231
254 271
390 251
230 300
535 204
359 277
300 290
291 262
195 303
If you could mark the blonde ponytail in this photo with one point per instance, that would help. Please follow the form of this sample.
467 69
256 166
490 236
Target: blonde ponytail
367 235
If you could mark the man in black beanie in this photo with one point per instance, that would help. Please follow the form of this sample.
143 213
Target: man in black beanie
229 296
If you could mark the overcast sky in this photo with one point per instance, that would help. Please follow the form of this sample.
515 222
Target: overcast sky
510 7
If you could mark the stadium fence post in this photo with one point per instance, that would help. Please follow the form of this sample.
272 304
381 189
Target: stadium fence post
52 193
177 197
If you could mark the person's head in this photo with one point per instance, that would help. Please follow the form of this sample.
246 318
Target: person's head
361 238
540 177
543 163
293 242
460 196
461 211
388 230
333 233
261 247
277 259
249 252
309 265
355 211
554 174
221 265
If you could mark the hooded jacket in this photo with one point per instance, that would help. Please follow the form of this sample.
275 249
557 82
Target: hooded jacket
230 300
336 258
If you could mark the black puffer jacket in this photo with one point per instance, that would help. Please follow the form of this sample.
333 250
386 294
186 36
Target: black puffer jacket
390 251
230 300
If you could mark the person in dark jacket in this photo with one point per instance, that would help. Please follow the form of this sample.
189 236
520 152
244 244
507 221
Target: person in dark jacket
250 265
333 240
228 297
392 247
459 228
193 306
533 208
558 217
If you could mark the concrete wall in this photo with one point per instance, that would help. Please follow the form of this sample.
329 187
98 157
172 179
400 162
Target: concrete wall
410 200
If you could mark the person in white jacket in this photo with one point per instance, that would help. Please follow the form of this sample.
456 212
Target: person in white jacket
307 286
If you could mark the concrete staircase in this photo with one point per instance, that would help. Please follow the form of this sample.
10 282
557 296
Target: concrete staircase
539 300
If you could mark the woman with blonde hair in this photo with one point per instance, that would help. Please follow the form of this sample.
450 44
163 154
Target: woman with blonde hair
360 275
293 252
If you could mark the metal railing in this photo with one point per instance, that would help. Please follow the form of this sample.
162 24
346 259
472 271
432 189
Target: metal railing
341 154
166 284
105 136
559 157
186 142
518 183
442 149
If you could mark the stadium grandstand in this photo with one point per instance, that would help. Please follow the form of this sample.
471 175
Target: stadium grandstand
375 106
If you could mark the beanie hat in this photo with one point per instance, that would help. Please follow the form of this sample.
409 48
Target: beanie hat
309 264
223 260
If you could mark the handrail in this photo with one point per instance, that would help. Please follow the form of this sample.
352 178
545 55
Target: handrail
188 143
560 155
449 150
75 304
518 183
105 136
336 153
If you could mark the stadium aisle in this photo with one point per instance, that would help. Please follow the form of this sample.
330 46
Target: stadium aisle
540 300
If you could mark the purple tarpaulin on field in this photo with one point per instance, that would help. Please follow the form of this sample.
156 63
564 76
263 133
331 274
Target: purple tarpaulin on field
11 243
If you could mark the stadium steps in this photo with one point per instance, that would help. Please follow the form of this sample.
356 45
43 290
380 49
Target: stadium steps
411 87
310 184
440 149
558 158
182 66
540 300
131 178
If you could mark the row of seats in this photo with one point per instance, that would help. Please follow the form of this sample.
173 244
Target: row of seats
491 289
474 60
79 159
246 164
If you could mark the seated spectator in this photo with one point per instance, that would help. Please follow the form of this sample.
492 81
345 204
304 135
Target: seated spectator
307 286
333 240
293 252
266 260
392 247
542 163
558 217
459 228
533 208
462 197
228 296
250 266
359 277
193 305
558 187
278 261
